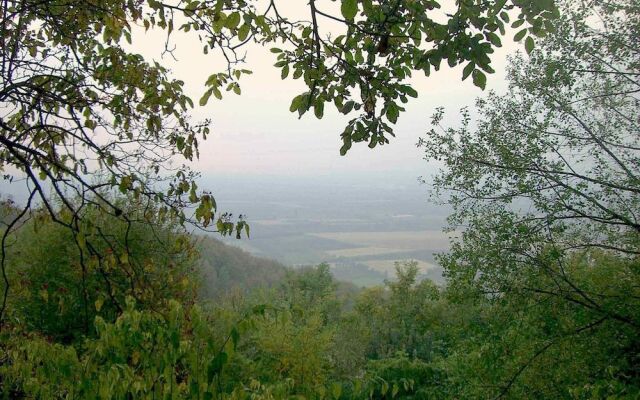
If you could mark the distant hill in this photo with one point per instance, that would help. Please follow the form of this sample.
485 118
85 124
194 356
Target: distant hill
225 268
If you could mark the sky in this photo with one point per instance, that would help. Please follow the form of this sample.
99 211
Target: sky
255 134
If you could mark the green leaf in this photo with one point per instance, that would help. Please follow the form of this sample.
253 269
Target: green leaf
235 337
295 103
494 39
348 106
479 79
336 390
394 390
215 366
205 97
393 112
233 20
411 92
529 44
518 36
98 303
517 24
243 32
468 70
318 108
349 9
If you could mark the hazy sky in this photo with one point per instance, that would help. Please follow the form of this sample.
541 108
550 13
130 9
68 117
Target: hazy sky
255 133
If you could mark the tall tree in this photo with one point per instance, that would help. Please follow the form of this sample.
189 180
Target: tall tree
547 185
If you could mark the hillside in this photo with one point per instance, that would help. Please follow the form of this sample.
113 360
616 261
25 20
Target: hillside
226 268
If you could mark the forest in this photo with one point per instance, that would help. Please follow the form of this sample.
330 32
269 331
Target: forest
115 285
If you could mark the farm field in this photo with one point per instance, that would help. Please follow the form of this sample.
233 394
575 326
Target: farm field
363 251
393 241
388 266
361 247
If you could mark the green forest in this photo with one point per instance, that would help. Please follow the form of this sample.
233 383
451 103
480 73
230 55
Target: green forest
114 285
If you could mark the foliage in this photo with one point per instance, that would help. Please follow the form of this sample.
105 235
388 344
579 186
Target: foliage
59 289
240 348
399 377
224 269
399 318
543 286
546 188
83 116
142 355
365 62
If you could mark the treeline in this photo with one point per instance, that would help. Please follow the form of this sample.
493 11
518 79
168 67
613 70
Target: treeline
148 334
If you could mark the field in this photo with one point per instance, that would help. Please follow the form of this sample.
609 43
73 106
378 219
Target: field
365 258
360 230
393 241
388 266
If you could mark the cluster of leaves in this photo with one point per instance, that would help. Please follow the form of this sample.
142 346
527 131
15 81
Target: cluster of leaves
367 65
83 114
83 118
546 186
59 287
142 354
408 340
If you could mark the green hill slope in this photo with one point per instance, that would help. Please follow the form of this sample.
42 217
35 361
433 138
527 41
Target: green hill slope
225 268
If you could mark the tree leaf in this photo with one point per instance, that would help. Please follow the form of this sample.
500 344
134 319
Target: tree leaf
318 108
479 79
393 112
215 366
529 44
468 70
349 9
243 32
518 36
98 303
205 98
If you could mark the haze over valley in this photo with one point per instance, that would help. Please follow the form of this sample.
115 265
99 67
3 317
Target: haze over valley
359 224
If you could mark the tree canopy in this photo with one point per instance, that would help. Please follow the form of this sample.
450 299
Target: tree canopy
546 186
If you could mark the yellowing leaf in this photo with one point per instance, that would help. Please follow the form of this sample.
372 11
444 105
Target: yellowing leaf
98 303
135 357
